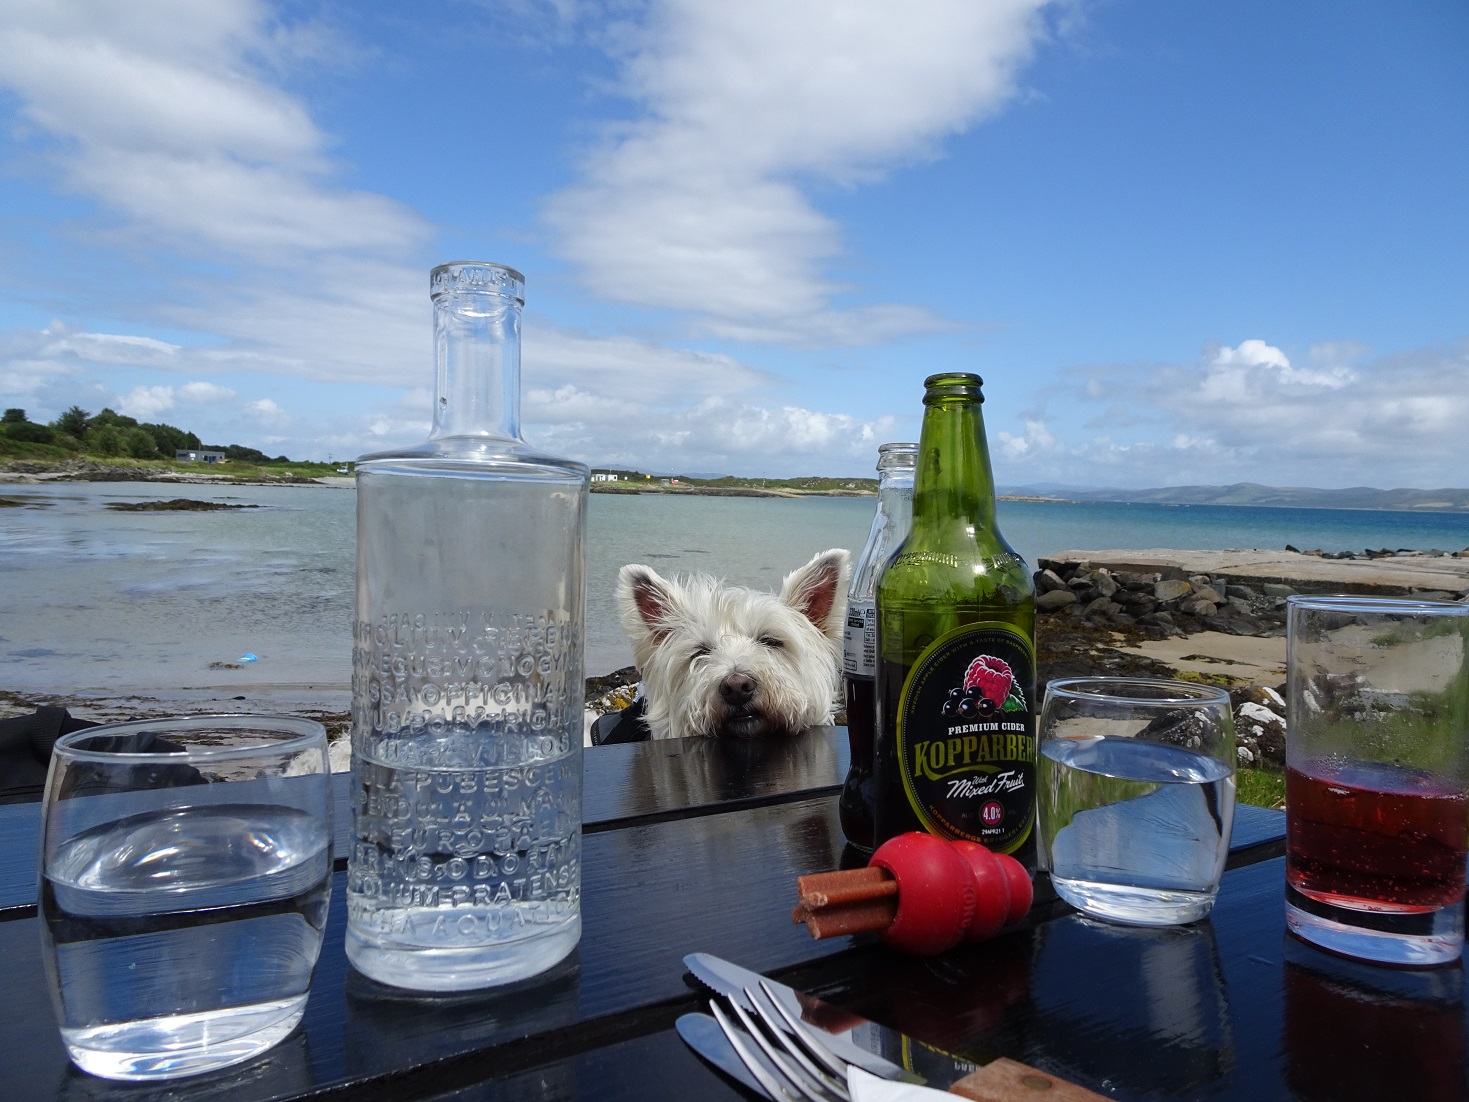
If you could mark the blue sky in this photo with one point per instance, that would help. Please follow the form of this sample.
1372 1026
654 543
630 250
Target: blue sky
1208 242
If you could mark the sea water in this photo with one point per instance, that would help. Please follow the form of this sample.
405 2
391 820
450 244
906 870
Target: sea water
183 941
466 861
116 603
1135 831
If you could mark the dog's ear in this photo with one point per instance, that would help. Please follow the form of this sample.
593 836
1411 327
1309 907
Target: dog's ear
644 601
818 591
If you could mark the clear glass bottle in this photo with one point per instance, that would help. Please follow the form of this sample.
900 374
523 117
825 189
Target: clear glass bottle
890 525
467 685
955 748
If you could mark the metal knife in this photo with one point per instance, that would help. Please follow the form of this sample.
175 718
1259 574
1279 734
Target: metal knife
731 980
861 1042
702 1034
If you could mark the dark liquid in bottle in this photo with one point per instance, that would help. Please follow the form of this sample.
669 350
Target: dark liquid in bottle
855 806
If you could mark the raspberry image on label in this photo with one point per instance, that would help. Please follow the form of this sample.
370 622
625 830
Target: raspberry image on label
992 675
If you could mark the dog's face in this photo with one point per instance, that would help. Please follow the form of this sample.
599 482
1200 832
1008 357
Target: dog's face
724 660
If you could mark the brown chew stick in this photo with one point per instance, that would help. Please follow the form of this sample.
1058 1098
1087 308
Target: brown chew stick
833 904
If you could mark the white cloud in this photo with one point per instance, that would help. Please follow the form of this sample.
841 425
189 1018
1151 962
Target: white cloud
698 205
630 367
716 434
203 393
1037 440
161 118
146 402
1248 414
267 412
111 347
1255 369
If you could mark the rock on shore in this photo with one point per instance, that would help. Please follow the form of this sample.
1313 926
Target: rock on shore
1175 593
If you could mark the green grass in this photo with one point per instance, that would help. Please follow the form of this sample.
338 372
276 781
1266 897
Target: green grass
1261 788
24 449
51 453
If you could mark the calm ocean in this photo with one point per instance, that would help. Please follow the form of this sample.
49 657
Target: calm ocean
94 600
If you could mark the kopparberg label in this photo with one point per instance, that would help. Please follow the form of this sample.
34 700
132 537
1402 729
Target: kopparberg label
965 736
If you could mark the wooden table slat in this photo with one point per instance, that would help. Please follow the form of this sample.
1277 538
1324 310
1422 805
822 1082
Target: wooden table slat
630 783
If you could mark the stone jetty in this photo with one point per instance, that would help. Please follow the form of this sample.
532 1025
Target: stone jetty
1176 592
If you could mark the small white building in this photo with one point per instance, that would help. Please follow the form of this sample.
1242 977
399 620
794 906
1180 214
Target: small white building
605 476
194 455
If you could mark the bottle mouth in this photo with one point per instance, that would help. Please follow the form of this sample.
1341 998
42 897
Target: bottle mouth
897 456
476 277
953 384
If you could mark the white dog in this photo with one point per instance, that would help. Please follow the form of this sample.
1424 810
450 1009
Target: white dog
724 660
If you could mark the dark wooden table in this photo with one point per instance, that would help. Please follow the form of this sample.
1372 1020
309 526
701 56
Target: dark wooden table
696 846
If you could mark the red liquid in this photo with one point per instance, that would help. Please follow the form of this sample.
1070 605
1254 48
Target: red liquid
1367 836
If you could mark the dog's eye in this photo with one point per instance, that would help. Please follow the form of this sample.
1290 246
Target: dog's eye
771 641
699 652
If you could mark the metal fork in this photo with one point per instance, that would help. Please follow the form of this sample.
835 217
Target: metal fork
787 1060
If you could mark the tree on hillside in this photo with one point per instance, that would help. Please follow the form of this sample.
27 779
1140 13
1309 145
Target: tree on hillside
168 439
241 454
105 440
25 431
14 417
111 417
139 443
73 422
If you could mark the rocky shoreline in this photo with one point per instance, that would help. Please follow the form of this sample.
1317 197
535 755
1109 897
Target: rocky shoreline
80 470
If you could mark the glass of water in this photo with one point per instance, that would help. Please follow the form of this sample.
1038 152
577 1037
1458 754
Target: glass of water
1137 784
185 874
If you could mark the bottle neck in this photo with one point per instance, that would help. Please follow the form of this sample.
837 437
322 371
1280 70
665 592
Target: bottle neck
895 497
953 482
476 365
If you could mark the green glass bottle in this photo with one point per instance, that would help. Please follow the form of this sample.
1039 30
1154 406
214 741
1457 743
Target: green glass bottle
956 708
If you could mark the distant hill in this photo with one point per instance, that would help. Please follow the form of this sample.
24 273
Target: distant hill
1252 493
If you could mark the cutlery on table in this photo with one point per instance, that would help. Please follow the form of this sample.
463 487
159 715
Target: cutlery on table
766 1040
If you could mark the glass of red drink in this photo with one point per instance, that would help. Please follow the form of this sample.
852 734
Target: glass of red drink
1377 777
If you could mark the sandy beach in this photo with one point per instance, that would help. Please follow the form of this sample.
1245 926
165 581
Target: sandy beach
1250 660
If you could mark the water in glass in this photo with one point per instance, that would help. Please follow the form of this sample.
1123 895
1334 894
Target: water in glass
184 940
1136 831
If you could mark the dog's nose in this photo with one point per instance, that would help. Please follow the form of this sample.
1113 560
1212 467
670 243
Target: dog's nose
737 689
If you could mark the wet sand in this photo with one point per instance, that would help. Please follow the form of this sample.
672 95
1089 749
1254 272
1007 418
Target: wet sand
1247 658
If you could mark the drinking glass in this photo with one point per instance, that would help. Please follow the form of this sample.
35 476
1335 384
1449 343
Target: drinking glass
185 873
1136 796
1377 776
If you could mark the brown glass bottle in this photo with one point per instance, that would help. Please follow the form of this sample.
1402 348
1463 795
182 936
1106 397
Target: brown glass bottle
859 659
955 747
